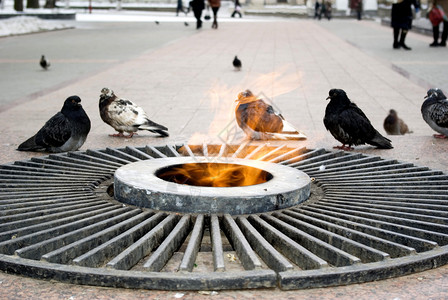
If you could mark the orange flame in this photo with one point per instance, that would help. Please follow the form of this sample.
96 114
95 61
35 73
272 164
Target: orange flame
214 174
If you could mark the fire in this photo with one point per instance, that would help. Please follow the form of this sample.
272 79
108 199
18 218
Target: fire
209 174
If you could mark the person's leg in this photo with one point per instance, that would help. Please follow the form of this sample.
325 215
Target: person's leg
435 35
444 34
404 32
396 34
215 17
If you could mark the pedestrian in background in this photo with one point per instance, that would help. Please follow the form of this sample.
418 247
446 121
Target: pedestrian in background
215 5
317 10
401 21
237 9
440 4
197 6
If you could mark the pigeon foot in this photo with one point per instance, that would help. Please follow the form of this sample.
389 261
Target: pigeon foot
344 147
120 134
440 136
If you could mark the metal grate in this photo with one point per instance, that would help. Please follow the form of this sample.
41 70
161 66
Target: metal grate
367 219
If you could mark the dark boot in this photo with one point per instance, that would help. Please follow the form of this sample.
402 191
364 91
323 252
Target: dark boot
396 44
402 38
444 34
435 35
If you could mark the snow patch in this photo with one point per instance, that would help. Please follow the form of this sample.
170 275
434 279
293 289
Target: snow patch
24 24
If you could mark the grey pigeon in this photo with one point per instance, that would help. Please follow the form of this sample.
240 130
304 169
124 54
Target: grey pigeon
237 63
435 112
44 63
349 125
393 125
125 116
65 131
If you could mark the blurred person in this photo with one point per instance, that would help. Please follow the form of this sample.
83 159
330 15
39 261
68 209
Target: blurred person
197 6
401 21
316 10
215 5
237 9
443 4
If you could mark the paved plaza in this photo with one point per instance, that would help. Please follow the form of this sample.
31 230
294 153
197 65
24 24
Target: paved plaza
184 79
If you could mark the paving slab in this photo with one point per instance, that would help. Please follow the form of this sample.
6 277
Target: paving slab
190 86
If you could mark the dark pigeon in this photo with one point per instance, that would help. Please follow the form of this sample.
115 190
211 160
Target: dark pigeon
65 131
393 125
125 116
237 63
44 63
435 112
260 121
349 125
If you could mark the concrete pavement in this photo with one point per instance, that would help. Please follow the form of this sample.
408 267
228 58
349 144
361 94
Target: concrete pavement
189 85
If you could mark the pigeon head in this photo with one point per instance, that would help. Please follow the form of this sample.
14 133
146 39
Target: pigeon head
336 93
72 103
392 112
246 97
437 93
107 92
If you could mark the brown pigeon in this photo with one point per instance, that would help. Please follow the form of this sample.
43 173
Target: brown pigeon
260 121
393 125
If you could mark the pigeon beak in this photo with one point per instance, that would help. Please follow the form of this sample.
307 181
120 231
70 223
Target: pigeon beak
329 97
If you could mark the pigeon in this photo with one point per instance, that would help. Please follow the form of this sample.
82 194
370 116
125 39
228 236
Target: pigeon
349 125
435 112
44 63
65 131
393 125
237 63
186 24
125 116
259 120
157 22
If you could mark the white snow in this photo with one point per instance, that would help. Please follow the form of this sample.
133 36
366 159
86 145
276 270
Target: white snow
23 24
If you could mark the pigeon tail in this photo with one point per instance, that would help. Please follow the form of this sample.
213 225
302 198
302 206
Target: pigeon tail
162 133
381 142
30 145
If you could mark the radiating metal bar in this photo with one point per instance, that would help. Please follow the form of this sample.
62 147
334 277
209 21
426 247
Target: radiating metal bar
165 251
242 247
299 255
75 245
218 253
187 263
329 253
264 249
137 251
111 248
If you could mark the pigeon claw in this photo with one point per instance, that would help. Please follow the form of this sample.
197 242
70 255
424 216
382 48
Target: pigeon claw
440 136
344 147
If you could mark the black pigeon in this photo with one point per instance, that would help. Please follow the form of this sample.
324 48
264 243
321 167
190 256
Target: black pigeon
435 112
186 24
65 131
393 125
349 125
260 121
44 63
237 63
125 116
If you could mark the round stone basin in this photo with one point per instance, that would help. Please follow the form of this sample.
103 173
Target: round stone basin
169 184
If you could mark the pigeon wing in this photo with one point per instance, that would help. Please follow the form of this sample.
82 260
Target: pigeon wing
55 132
123 112
356 125
439 113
